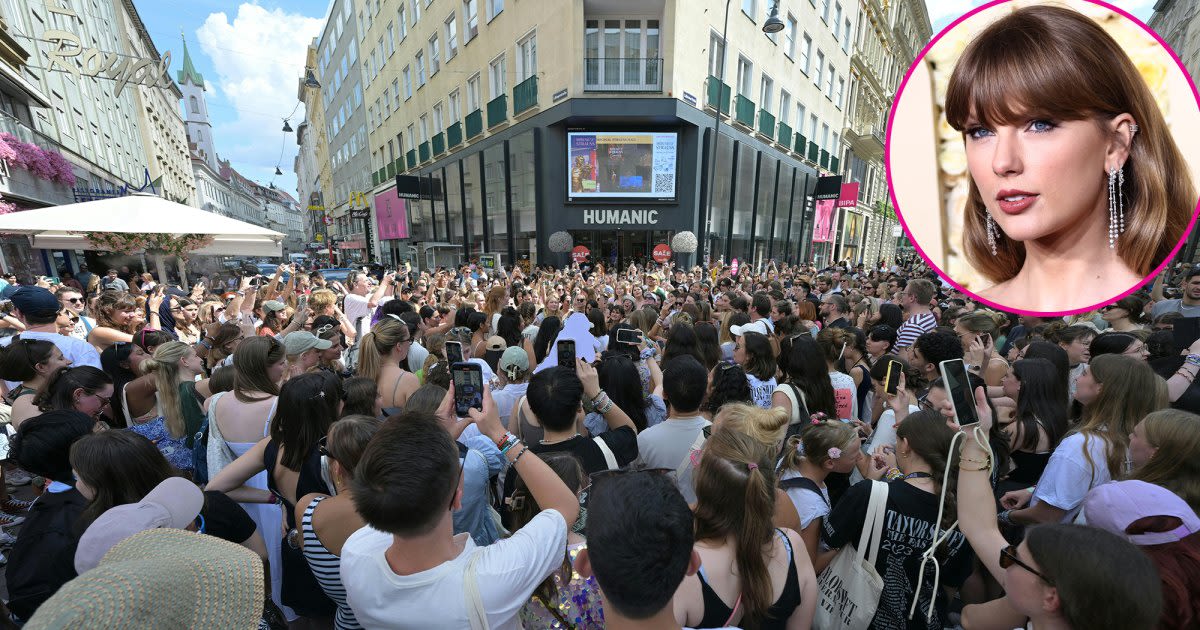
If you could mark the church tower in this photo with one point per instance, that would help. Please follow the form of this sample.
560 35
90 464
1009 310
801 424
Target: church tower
199 129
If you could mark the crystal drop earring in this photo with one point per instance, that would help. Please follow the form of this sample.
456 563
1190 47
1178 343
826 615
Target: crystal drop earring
993 232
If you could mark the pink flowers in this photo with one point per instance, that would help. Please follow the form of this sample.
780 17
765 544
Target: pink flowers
45 164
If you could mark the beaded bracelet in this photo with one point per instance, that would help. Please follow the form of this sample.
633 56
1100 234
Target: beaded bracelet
506 441
509 444
605 406
1193 359
893 474
519 455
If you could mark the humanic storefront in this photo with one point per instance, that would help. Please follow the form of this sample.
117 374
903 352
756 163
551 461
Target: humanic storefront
620 175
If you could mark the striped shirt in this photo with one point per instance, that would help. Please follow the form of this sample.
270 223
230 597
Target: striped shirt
327 568
914 327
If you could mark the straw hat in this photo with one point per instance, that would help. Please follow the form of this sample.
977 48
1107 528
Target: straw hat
162 579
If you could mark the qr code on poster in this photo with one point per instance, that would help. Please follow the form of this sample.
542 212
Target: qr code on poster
664 182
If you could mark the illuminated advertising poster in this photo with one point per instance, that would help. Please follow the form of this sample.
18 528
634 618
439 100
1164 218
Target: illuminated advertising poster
621 165
827 194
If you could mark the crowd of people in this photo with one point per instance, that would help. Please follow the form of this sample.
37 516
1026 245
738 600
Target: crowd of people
719 450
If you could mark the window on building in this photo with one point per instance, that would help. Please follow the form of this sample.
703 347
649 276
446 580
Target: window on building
412 136
801 111
789 44
527 57
805 53
766 90
785 105
195 104
716 54
383 56
391 39
829 77
846 35
820 69
470 20
495 7
400 143
396 93
496 77
837 19
825 12
825 137
416 10
357 95
424 128
437 118
451 37
434 56
841 91
420 68
408 86
812 127
455 108
400 14
473 93
745 76
750 8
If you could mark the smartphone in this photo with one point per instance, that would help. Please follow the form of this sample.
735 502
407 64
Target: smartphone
1185 331
454 352
631 336
958 384
566 352
302 303
895 368
468 387
985 338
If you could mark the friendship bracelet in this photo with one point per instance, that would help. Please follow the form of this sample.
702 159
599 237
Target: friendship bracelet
893 474
986 467
606 407
1193 359
509 444
505 441
1005 518
520 455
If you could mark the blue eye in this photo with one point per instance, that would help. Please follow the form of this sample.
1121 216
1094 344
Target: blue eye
977 133
1041 126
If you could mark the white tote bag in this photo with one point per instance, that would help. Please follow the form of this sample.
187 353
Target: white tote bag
850 585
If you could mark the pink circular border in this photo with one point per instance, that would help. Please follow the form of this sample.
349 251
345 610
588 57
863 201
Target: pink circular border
929 260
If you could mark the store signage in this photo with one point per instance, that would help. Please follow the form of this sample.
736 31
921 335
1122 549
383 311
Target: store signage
68 55
580 253
848 198
408 187
828 191
662 253
620 217
391 217
360 214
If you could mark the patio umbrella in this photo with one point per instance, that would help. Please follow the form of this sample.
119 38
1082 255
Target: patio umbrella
63 227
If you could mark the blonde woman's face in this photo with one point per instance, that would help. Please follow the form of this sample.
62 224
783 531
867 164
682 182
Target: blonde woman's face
1041 179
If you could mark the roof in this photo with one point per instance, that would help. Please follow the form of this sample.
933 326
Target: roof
189 70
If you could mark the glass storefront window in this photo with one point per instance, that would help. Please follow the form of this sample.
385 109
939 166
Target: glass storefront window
472 205
521 162
780 240
766 201
454 202
718 216
497 213
743 205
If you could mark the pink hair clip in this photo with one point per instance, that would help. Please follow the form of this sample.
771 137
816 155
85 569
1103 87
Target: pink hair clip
835 453
752 466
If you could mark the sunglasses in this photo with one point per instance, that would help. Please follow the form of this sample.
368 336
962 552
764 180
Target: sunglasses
75 300
323 449
1008 557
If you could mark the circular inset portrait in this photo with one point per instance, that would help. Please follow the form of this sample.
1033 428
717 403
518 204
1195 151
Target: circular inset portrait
1036 154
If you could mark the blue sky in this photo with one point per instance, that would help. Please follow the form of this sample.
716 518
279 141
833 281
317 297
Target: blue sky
250 54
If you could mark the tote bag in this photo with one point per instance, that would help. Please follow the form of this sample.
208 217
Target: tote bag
850 585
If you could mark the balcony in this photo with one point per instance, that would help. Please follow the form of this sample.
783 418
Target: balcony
785 135
622 75
375 178
474 123
439 144
717 90
801 142
454 135
391 171
399 164
497 110
865 140
766 123
525 96
22 182
824 159
814 152
743 112
423 151
833 164
411 158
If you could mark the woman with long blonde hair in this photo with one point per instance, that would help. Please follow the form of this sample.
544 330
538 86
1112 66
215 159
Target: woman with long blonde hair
382 354
753 575
175 367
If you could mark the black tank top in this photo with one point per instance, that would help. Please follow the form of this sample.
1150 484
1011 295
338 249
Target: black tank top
717 612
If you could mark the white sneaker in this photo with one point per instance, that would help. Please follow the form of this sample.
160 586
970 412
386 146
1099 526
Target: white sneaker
7 539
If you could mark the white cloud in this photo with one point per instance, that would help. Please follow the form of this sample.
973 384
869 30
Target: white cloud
258 57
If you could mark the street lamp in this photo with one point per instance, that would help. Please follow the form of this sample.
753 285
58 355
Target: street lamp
287 128
772 25
311 81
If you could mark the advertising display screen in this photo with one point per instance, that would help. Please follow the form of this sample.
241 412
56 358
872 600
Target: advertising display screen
615 165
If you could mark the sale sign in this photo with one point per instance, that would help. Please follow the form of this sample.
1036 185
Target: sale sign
580 253
662 253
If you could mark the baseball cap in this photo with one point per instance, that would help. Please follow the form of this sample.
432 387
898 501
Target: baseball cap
755 326
173 503
496 343
1115 505
35 301
299 342
513 362
273 305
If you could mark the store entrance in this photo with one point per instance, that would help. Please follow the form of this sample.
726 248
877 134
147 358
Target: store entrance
618 248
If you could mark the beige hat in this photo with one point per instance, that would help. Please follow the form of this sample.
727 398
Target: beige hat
496 343
162 579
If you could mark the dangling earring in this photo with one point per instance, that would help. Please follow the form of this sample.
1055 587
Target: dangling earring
1116 205
993 232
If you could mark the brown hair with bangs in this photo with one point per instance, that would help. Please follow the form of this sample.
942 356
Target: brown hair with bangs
1055 63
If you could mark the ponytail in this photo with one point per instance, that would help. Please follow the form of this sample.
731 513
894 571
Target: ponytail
370 362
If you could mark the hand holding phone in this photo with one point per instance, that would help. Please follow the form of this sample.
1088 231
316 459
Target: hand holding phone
454 352
468 388
566 352
895 371
958 385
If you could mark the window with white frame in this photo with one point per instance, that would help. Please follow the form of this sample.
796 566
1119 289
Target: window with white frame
750 8
473 93
402 22
396 93
434 56
801 111
383 56
766 90
425 128
820 69
812 127
455 109
829 77
789 48
451 37
420 68
825 12
841 91
412 136
846 35
495 7
470 20
408 85
824 136
391 38
785 105
437 118
527 57
837 19
496 77
416 10
716 54
400 142
805 53
745 76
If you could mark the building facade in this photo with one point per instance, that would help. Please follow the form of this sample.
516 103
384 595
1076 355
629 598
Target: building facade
314 175
617 142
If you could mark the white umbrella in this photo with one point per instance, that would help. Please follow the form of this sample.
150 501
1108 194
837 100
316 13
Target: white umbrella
63 227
